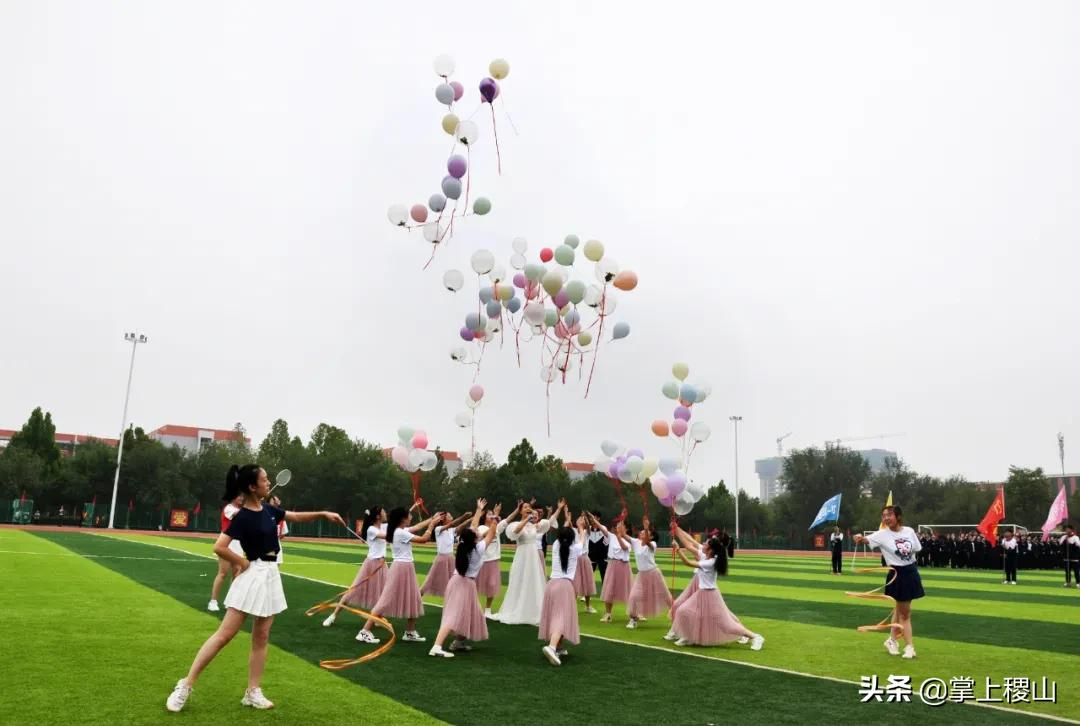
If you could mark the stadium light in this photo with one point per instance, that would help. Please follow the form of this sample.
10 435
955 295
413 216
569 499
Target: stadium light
736 420
134 339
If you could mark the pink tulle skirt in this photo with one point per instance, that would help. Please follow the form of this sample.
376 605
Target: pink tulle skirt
617 582
401 596
489 581
559 613
438 577
684 596
461 611
704 619
367 586
584 581
649 595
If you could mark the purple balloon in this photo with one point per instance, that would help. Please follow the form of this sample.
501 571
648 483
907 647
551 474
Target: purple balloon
675 484
561 299
613 470
459 90
457 166
667 501
467 335
682 412
635 452
489 89
520 281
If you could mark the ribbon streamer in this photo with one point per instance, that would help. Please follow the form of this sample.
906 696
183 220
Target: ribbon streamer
337 664
888 622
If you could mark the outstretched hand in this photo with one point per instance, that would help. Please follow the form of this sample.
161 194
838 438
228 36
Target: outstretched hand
334 518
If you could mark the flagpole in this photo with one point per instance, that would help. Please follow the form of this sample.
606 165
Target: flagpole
1003 546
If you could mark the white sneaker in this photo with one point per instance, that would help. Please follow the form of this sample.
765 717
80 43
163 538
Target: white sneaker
591 610
366 636
411 636
1013 582
561 652
179 696
581 599
551 655
1004 582
606 618
757 642
631 625
909 652
671 635
743 640
437 650
254 697
892 646
682 641
460 645
213 607
329 621
642 619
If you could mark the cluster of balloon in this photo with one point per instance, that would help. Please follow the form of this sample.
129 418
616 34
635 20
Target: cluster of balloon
433 217
467 419
626 466
412 455
567 315
671 481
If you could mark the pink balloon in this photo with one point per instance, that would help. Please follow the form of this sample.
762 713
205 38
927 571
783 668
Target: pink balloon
675 484
476 393
459 90
659 486
682 412
418 213
679 427
519 281
419 440
561 299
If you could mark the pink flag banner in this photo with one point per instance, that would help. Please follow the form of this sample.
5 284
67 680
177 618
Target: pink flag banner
1059 512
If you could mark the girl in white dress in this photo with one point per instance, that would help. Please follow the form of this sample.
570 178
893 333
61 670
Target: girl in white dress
525 592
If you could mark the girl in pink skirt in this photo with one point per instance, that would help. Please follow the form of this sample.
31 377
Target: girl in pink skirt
618 579
704 619
461 611
650 594
690 543
558 614
584 580
438 576
369 582
401 596
489 581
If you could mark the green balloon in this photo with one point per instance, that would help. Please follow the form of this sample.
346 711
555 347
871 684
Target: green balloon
594 251
572 241
481 206
534 271
550 317
552 282
584 339
575 290
671 390
564 255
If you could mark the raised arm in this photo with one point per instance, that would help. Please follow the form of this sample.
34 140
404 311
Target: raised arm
420 526
686 539
426 536
312 516
689 561
478 514
596 523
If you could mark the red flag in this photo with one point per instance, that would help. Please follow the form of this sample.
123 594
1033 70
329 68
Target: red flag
198 507
996 513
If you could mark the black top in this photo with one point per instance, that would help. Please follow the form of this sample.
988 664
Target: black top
257 531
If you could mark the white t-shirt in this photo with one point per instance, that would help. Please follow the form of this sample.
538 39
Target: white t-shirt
376 545
494 550
898 547
1009 544
476 560
1074 540
615 551
644 555
557 572
707 574
835 536
402 545
444 540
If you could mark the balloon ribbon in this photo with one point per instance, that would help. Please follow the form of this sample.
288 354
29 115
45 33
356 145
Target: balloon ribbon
337 664
416 492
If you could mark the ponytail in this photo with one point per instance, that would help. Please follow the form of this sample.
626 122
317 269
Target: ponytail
565 538
370 518
719 551
393 521
465 547
239 481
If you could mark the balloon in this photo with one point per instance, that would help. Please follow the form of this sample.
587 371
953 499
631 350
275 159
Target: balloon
513 305
571 318
575 291
416 458
704 390
456 165
451 187
534 313
453 280
572 241
659 486
466 334
670 390
482 261
651 465
494 309
481 206
444 65
667 501
489 90
547 374
400 456
613 470
430 461
635 452
418 212
450 123
459 90
552 282
593 295
471 403
594 250
520 281
545 254
419 440
485 295
431 232
463 419
700 432
499 69
606 269
534 271
688 393
497 273
660 428
682 412
584 339
476 393
467 132
621 331
550 317
668 466
398 215
564 255
437 202
683 505
444 94
609 447
626 280
680 371
405 433
457 354
561 299
607 304
519 245
635 465
517 261
625 475
678 427
504 292
676 483
601 465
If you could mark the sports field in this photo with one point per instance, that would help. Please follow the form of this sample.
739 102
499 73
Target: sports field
98 628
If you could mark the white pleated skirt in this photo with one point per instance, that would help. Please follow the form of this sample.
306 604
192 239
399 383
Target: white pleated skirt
257 590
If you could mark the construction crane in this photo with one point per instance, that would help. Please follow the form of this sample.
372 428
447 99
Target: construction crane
780 444
837 442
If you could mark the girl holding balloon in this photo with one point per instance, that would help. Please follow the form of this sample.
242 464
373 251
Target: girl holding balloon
618 579
704 619
649 594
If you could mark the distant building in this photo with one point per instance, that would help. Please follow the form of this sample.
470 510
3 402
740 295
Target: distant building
1070 481
65 442
193 438
578 470
770 471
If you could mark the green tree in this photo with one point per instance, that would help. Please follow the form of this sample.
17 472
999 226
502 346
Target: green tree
812 475
38 436
1027 497
21 470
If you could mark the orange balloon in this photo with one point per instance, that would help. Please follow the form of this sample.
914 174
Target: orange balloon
660 427
626 280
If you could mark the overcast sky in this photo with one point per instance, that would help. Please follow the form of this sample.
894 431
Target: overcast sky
852 218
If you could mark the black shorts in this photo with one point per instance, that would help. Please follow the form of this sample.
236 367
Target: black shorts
907 586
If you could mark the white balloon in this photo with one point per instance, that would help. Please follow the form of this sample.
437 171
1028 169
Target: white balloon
700 432
471 403
683 504
534 312
520 245
593 294
607 269
609 304
498 273
517 261
668 466
453 280
602 465
482 261
416 457
609 447
463 419
467 132
429 462
398 214
431 232
444 65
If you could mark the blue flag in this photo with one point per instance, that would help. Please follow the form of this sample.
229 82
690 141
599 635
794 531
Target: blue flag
830 511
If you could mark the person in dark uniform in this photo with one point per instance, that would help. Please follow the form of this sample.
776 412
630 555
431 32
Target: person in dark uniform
836 544
1070 543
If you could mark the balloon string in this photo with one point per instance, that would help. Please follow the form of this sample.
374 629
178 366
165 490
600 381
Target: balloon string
599 340
416 492
468 174
495 130
507 114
